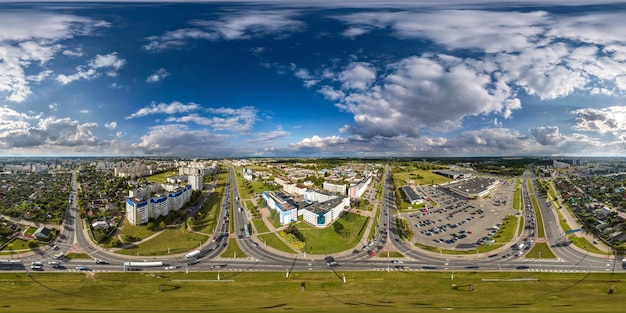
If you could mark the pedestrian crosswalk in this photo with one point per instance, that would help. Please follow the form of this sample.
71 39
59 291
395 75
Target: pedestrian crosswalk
248 259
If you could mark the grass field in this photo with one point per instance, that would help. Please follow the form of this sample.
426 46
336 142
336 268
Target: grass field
139 231
584 244
211 208
260 226
273 241
421 177
170 241
313 292
326 240
161 178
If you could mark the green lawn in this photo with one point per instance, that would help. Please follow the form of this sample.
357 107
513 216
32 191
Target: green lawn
77 256
390 254
584 244
30 231
211 209
273 241
139 231
326 240
233 250
174 240
161 178
396 291
421 177
17 244
517 199
260 226
540 250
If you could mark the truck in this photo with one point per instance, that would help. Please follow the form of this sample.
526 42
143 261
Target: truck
192 254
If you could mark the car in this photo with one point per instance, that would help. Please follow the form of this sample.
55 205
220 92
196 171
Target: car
506 255
82 268
36 267
55 247
101 262
36 263
397 262
171 267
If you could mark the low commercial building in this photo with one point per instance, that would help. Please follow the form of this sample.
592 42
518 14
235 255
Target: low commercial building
472 188
322 214
412 196
287 209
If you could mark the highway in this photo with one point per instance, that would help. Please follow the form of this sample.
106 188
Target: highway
72 235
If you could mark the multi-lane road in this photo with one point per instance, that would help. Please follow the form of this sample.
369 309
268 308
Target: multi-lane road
72 236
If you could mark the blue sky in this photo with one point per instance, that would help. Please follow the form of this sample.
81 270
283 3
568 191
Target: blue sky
270 78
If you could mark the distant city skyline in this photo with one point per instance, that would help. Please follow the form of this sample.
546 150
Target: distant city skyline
321 79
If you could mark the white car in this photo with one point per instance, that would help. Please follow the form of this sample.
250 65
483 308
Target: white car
171 267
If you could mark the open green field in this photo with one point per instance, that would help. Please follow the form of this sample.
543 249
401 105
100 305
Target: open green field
16 245
260 226
170 240
140 231
313 292
272 240
161 178
326 240
421 177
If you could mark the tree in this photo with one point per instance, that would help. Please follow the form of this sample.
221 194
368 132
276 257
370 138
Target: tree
162 225
338 227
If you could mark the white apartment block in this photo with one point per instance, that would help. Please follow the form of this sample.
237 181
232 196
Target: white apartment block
337 188
196 181
140 209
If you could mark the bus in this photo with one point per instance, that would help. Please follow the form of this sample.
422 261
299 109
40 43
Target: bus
246 231
143 264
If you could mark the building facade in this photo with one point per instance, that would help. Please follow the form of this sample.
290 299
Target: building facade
139 210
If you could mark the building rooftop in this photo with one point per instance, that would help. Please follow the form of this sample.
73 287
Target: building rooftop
323 207
472 186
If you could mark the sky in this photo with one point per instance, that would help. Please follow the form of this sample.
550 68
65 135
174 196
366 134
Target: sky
321 79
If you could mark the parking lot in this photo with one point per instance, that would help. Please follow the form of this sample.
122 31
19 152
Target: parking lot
458 223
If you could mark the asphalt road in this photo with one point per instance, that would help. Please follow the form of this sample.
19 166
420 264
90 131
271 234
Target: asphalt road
259 259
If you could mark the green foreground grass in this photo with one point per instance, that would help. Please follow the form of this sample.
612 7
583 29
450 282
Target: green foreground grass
313 292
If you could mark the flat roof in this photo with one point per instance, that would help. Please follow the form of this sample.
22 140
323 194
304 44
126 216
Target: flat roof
324 207
474 185
410 193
